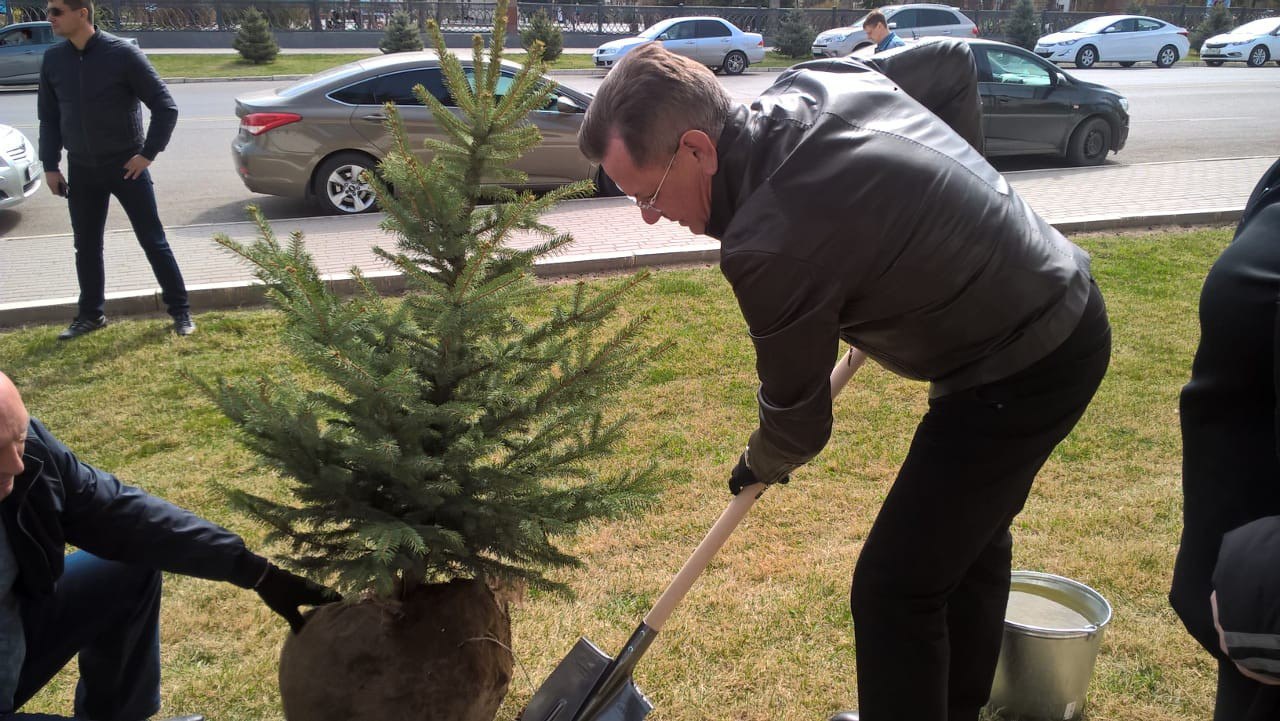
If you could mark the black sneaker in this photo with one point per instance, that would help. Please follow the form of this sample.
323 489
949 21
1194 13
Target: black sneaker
83 326
183 325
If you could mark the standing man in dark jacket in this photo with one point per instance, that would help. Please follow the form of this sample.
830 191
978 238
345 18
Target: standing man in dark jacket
1230 414
102 601
90 87
847 211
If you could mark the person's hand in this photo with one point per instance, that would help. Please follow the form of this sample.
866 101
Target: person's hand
284 592
56 182
135 166
741 476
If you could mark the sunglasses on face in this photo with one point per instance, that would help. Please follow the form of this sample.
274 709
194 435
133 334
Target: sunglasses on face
56 12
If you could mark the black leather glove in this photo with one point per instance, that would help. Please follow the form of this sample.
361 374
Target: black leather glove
284 592
741 477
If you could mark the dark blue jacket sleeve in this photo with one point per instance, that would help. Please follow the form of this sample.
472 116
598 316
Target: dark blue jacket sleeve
153 93
122 523
50 122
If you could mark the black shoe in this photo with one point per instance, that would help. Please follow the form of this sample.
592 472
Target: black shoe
83 326
183 325
845 716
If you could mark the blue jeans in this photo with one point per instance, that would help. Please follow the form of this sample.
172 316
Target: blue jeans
109 613
91 189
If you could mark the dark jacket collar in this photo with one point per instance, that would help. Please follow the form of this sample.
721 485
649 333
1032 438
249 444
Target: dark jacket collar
93 42
732 157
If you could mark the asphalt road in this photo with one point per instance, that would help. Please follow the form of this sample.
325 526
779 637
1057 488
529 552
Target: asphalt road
1179 114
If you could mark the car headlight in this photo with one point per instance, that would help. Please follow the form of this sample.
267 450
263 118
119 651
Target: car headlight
1239 42
1124 103
839 38
606 51
1069 42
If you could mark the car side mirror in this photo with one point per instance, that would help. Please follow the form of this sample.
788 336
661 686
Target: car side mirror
664 36
893 26
567 106
1060 79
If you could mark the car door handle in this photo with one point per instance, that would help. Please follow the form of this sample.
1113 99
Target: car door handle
375 117
946 32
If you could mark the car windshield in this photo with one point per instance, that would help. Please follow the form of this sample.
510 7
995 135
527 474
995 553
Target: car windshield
311 82
1092 25
1257 27
655 30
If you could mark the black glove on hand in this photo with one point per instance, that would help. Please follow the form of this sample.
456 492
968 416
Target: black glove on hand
741 477
283 592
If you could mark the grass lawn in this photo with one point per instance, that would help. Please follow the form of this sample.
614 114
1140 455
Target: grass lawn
765 636
230 66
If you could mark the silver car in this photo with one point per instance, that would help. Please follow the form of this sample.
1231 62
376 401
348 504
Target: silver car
313 139
21 173
910 22
22 48
712 41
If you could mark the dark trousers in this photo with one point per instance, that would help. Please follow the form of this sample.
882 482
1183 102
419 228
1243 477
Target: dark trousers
109 613
91 191
932 581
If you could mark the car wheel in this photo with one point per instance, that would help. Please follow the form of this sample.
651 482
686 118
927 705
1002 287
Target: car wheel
1214 63
1167 56
1126 63
605 187
1087 57
1259 56
340 185
1090 143
734 63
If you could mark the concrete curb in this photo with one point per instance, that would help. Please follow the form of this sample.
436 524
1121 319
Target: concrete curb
251 293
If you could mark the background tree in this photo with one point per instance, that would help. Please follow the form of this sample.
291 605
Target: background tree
795 35
401 34
1219 20
254 39
542 29
1021 27
446 444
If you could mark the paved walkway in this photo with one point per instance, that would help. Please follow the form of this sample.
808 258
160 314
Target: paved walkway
38 284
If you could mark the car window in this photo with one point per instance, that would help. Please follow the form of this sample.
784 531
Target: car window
905 19
934 18
45 35
320 79
1145 24
712 29
1012 68
17 36
681 31
1127 25
362 93
398 87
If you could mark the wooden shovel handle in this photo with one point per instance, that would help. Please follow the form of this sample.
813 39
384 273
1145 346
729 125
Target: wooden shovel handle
732 516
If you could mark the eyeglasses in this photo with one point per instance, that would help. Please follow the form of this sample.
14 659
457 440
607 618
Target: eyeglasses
55 12
649 204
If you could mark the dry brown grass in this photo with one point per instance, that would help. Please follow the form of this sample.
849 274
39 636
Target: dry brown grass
766 633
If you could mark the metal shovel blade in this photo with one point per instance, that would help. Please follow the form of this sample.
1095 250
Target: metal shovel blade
588 685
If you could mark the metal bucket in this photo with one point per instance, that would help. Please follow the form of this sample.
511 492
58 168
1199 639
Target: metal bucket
1052 632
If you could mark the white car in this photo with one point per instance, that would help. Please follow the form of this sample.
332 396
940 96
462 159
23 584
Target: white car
712 41
1254 43
21 173
908 21
1124 39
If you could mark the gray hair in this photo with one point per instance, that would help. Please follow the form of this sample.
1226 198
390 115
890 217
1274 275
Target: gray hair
649 99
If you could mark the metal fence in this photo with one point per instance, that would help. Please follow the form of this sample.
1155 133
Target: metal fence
592 18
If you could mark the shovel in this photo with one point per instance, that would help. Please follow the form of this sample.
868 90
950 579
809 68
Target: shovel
588 685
